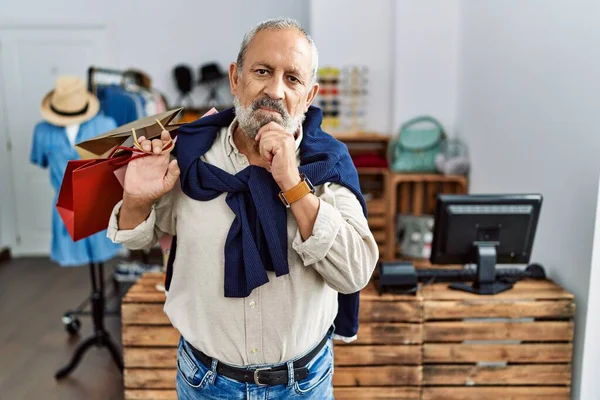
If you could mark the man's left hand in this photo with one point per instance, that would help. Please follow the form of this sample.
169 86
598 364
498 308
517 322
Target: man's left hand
278 148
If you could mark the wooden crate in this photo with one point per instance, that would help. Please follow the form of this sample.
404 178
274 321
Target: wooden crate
415 194
516 344
437 344
373 181
384 363
149 342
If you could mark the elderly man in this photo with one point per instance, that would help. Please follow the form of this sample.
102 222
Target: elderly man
271 243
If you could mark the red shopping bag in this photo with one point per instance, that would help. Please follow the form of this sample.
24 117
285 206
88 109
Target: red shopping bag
90 190
88 194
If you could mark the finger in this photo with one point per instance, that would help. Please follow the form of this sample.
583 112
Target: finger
146 146
172 175
270 147
272 132
141 139
157 146
271 126
165 136
265 150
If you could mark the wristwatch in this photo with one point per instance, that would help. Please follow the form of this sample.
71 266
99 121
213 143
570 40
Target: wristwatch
297 192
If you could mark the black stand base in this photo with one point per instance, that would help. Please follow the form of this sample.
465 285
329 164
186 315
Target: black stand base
485 276
487 288
101 337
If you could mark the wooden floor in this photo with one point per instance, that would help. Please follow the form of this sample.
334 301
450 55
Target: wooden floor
34 293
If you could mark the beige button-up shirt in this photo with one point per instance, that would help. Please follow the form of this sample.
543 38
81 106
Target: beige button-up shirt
280 320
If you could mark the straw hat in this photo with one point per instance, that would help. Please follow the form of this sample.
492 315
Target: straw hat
69 103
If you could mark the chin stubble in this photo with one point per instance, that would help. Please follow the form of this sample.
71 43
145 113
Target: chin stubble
251 120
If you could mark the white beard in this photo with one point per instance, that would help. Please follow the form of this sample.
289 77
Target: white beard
251 120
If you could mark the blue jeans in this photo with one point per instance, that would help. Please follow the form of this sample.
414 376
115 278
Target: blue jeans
198 381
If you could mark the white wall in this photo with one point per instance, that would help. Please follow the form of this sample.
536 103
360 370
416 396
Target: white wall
528 103
410 48
155 35
589 375
425 61
349 32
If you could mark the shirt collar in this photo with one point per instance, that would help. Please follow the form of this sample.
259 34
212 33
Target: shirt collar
231 147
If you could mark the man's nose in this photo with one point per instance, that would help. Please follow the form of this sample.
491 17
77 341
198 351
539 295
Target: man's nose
275 88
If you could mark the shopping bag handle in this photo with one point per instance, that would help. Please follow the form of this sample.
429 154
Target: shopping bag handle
139 147
138 152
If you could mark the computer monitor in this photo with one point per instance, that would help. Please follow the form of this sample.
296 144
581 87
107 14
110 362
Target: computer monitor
484 230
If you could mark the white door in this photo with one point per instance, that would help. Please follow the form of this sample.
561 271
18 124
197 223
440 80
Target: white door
30 61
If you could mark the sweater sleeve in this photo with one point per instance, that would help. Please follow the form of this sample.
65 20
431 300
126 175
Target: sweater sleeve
342 248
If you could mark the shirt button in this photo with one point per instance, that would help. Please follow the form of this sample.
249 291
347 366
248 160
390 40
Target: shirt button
254 350
242 161
252 304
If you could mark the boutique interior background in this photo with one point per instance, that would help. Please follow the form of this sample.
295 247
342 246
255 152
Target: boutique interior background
517 80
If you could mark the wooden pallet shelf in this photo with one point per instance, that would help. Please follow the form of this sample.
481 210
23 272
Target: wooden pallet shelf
415 194
516 344
396 193
436 344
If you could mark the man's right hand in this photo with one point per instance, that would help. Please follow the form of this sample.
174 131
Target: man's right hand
147 179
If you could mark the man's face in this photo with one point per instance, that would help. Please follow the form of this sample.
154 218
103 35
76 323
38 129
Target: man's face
275 83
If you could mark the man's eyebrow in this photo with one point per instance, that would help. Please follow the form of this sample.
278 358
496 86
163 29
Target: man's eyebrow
291 70
294 71
262 64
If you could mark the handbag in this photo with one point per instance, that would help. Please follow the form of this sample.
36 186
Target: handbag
416 148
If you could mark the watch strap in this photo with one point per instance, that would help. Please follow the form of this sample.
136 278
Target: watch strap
291 196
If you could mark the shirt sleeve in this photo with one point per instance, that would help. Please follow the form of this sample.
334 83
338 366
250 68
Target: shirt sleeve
342 248
159 223
39 147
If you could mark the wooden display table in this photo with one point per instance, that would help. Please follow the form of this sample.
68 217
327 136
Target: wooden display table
513 345
437 344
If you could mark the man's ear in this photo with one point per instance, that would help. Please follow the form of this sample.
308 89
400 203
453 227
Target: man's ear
311 96
233 78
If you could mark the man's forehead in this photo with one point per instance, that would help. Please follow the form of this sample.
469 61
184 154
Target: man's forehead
285 47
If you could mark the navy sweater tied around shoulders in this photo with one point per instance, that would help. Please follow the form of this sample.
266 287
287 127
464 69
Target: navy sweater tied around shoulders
257 239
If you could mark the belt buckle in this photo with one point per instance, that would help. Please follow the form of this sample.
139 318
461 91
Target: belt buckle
256 371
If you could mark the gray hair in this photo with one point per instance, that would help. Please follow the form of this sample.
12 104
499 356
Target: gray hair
279 23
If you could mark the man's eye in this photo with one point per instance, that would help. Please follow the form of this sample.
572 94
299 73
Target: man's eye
293 79
262 71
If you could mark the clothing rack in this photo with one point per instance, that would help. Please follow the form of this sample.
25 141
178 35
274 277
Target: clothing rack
100 337
91 76
97 298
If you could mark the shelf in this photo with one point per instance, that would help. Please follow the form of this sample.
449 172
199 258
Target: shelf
379 236
396 177
361 137
376 206
377 222
421 263
371 170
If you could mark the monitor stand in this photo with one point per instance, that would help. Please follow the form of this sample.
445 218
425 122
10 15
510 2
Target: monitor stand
485 277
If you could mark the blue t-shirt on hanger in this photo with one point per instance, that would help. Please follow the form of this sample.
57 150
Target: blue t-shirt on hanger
51 149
